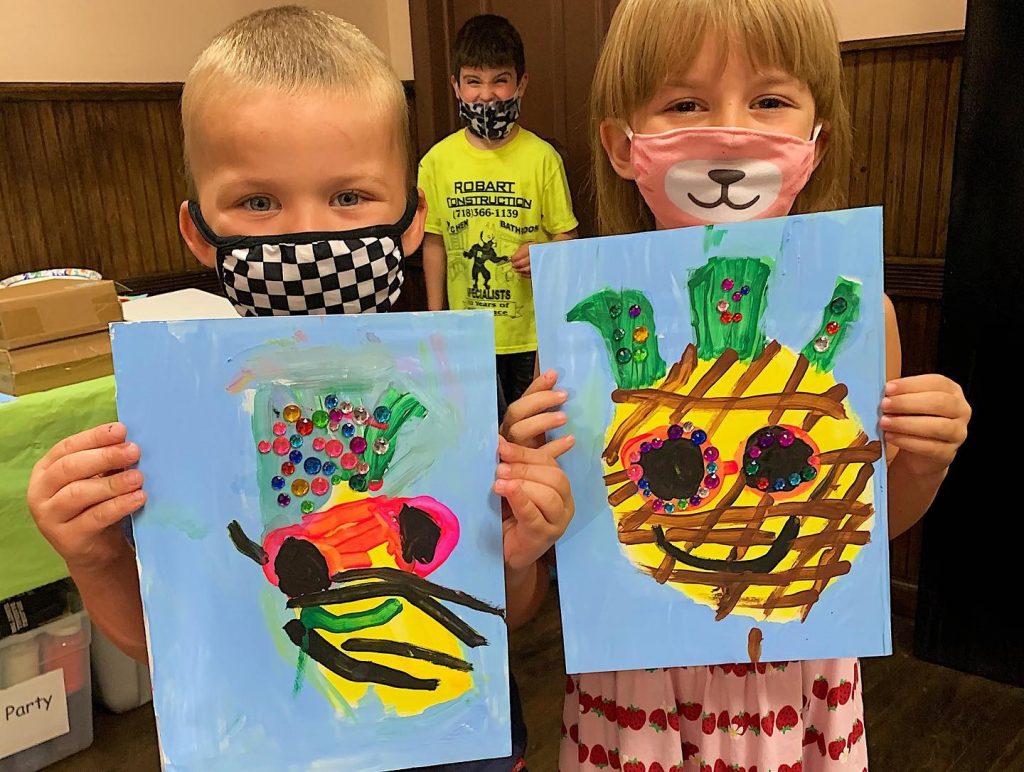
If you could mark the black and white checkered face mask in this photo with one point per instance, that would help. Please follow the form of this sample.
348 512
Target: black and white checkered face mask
331 272
491 120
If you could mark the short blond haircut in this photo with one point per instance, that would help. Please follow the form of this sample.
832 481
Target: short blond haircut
299 51
650 40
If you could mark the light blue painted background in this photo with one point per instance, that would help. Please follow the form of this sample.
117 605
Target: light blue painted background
222 684
614 617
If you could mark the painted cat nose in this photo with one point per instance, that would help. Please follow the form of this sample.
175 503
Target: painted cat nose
726 176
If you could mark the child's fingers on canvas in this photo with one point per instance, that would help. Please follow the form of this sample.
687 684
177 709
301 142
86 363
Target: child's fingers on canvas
926 427
512 453
96 437
544 474
556 447
543 382
940 403
78 496
109 513
927 382
920 446
87 463
530 429
534 403
549 502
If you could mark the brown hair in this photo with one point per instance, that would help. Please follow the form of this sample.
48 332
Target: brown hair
651 39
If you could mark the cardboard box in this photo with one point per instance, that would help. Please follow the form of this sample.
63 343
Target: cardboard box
58 363
44 311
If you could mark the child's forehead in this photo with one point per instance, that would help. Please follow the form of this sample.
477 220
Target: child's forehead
487 71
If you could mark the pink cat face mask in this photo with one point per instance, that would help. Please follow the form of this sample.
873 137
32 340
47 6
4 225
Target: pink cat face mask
711 175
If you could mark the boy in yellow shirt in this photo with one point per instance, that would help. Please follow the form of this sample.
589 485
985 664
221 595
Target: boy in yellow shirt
492 190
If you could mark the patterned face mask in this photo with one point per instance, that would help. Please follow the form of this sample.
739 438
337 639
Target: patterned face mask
330 272
491 120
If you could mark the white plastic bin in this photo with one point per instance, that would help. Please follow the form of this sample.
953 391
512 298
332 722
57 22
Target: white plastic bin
29 703
120 682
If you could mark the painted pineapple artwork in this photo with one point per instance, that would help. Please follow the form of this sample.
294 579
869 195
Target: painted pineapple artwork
742 477
343 576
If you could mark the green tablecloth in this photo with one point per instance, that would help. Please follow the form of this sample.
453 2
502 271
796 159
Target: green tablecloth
29 426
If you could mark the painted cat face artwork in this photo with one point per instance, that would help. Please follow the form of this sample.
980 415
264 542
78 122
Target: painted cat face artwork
743 477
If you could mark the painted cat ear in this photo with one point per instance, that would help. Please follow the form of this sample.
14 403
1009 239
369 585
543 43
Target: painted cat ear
728 297
625 319
840 312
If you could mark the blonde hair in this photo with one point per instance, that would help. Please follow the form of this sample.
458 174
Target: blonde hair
649 40
298 51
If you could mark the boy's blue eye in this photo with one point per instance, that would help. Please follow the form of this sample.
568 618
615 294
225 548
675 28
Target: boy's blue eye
348 198
258 204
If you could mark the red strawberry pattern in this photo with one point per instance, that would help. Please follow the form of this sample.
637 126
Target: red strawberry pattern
787 719
713 719
845 692
613 758
836 748
820 688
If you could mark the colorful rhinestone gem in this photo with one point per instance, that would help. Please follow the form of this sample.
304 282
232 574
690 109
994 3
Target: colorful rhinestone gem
304 426
362 467
264 446
329 468
744 290
382 414
331 401
319 486
277 482
345 407
832 328
300 487
348 430
348 461
699 437
711 454
380 446
358 483
312 465
282 446
307 506
727 284
295 440
280 428
614 311
737 296
635 472
623 356
821 344
786 438
334 448
723 306
640 354
320 418
634 311
291 413
618 334
360 415
284 499
711 481
295 456
376 485
358 445
675 432
838 306
640 335
287 468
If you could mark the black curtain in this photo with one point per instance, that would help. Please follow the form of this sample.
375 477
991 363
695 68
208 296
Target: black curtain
972 571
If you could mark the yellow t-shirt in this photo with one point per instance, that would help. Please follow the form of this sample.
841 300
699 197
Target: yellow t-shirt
485 204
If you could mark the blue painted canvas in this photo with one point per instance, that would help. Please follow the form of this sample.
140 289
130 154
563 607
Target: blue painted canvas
724 387
320 555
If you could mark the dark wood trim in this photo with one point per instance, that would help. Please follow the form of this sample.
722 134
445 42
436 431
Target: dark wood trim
916 277
89 92
904 597
155 284
903 41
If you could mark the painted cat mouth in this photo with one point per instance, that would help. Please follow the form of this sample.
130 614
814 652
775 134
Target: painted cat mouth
724 199
760 565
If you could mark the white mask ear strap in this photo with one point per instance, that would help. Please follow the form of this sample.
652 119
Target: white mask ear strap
815 133
628 131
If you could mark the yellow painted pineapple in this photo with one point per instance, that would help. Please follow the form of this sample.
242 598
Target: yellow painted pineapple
741 476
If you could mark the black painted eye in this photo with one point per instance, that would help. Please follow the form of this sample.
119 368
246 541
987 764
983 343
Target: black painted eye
419 534
300 568
673 471
775 459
